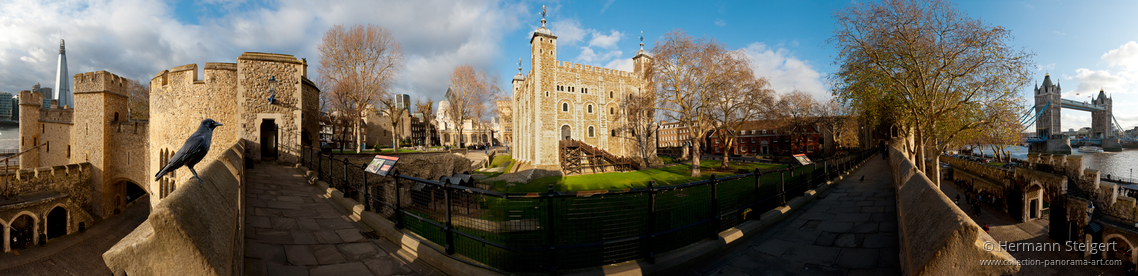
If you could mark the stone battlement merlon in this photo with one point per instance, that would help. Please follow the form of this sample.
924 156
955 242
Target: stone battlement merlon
99 81
269 57
590 68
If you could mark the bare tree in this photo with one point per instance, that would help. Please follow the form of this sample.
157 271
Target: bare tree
138 94
426 107
639 115
390 107
739 101
467 96
835 120
797 110
361 63
686 73
930 66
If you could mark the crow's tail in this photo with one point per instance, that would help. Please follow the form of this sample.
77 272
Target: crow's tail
163 172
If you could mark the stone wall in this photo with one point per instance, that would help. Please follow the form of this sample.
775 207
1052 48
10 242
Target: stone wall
936 237
983 170
253 73
196 230
42 189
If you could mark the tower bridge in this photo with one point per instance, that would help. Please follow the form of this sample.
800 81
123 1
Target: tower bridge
1046 114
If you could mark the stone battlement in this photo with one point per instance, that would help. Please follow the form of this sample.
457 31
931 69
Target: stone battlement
590 68
100 81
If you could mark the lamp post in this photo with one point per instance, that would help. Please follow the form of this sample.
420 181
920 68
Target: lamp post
272 89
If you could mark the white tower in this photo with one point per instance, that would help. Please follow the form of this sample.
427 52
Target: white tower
62 81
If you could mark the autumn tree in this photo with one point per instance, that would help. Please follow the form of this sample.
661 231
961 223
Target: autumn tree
738 102
360 64
686 74
138 95
797 113
390 107
467 96
638 111
835 121
927 64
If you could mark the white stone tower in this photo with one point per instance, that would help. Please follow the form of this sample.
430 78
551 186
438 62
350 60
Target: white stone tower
63 91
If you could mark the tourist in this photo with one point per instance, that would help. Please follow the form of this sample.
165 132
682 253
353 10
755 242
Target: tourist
985 228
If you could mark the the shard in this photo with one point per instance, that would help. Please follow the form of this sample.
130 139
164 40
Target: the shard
62 81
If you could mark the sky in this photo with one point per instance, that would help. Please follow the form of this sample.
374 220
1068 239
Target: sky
1084 45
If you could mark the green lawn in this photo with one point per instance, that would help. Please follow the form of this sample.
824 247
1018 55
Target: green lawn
668 159
502 160
671 175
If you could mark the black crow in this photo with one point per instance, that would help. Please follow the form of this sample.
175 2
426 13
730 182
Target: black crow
192 152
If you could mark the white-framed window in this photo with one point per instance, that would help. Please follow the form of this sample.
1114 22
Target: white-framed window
590 131
565 107
590 108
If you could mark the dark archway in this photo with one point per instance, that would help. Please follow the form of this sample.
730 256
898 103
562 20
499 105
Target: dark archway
22 233
56 222
566 134
268 139
133 192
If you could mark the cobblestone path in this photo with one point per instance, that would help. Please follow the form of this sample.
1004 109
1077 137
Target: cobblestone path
292 228
850 230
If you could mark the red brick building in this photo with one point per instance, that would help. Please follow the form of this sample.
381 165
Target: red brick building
770 138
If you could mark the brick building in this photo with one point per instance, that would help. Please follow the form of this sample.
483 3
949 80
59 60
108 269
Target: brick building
770 138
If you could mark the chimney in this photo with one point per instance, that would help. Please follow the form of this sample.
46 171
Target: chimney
304 68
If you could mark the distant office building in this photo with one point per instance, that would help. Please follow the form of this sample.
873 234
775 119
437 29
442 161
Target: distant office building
6 106
15 107
403 101
45 92
62 82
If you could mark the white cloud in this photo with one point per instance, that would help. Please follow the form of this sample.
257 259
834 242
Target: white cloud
138 38
720 22
607 4
605 41
623 64
785 71
1125 56
568 31
1119 82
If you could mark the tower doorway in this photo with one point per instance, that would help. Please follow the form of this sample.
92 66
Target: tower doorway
56 222
566 134
269 139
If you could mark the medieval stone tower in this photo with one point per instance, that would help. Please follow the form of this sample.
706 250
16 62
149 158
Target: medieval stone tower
1048 123
560 100
1101 121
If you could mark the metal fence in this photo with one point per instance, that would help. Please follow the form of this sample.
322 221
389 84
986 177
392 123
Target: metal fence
559 230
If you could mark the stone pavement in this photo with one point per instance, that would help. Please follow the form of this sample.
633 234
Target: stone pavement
292 228
1004 228
77 253
849 230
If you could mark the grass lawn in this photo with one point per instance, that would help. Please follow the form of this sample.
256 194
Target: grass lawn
400 150
671 175
353 151
668 159
502 160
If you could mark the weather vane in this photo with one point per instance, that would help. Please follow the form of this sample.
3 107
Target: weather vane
641 40
519 65
542 16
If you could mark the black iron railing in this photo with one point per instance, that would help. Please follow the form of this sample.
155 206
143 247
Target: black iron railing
559 230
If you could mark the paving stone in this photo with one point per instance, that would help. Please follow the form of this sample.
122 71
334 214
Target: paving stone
825 239
274 236
355 268
255 267
300 255
355 251
875 272
847 240
857 258
258 221
284 223
327 254
865 227
268 252
812 254
303 237
335 224
883 217
283 205
775 247
350 235
880 241
834 226
810 225
327 237
852 218
295 199
307 224
283 270
872 209
303 213
887 227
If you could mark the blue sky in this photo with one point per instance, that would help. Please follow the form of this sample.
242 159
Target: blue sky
1083 44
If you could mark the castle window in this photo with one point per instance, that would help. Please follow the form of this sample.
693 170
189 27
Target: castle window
585 90
68 151
610 94
614 133
547 93
611 110
590 131
590 108
116 116
42 129
564 107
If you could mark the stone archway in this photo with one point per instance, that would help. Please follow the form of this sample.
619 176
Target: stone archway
56 222
566 133
1122 249
21 231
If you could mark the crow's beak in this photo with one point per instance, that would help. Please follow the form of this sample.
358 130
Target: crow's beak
219 124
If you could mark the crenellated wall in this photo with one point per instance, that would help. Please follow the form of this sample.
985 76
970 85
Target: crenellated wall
196 230
40 190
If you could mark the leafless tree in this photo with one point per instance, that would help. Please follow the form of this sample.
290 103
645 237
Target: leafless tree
739 101
797 111
836 121
686 73
468 94
360 63
425 106
138 93
390 107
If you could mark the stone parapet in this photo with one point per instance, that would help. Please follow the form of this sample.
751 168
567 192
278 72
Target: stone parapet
196 230
936 237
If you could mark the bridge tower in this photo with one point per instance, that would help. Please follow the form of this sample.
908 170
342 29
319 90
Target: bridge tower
1048 96
1101 120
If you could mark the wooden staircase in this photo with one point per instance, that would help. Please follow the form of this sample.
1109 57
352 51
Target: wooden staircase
576 157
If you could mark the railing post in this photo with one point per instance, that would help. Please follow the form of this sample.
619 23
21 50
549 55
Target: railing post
651 222
398 201
549 230
715 215
814 177
367 191
450 226
344 180
758 183
782 187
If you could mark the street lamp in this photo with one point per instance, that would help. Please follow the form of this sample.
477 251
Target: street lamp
272 89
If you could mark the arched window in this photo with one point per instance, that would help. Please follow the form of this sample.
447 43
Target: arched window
611 110
116 116
610 94
590 131
590 108
565 107
614 133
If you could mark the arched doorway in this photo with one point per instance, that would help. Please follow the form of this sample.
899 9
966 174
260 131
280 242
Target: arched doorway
268 139
22 233
1120 250
566 134
133 192
56 222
